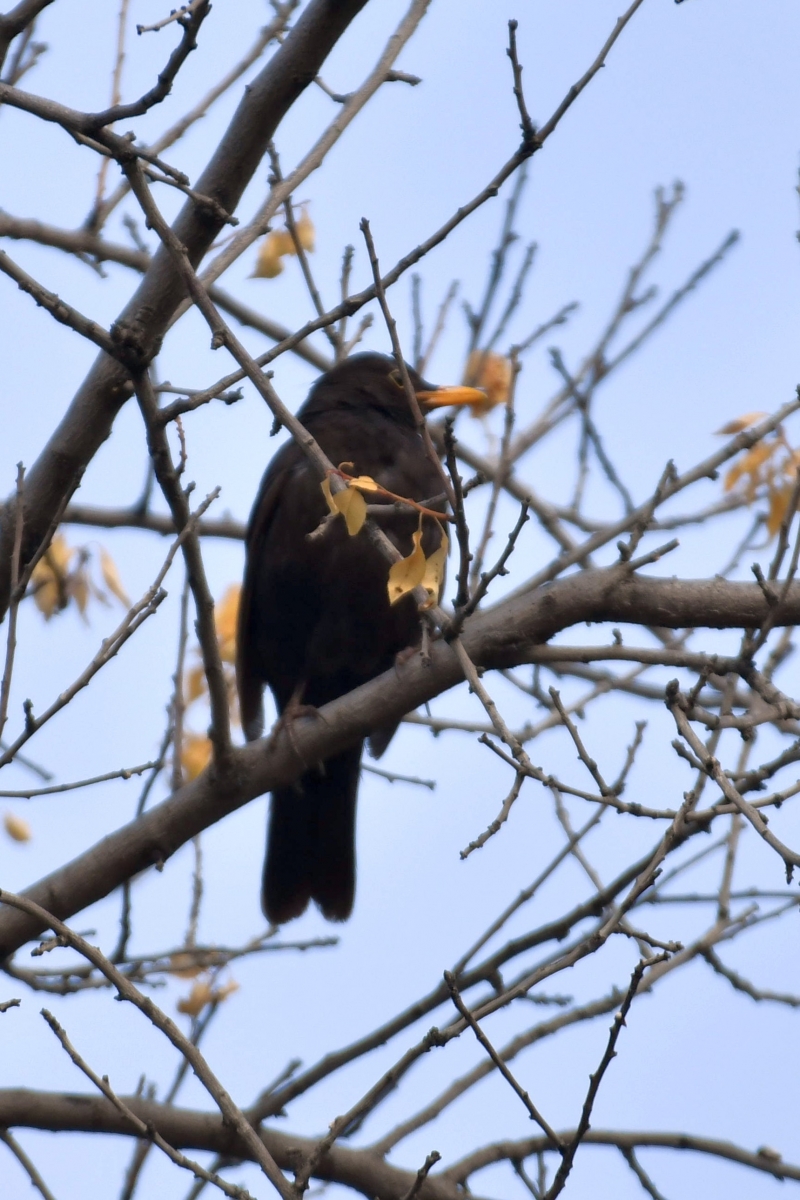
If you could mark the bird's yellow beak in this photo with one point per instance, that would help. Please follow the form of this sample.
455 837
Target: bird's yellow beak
445 397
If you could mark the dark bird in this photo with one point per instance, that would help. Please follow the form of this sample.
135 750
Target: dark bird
315 619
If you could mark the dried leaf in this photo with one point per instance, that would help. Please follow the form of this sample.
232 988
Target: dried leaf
406 574
226 990
364 483
111 578
268 265
750 464
433 578
200 995
271 253
328 494
349 502
184 965
740 423
195 684
354 508
78 589
732 477
493 373
195 755
306 233
225 618
17 828
49 577
47 595
59 555
778 504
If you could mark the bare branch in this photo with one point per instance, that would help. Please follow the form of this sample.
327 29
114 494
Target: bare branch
140 327
145 1131
596 1079
27 1164
162 1022
533 1112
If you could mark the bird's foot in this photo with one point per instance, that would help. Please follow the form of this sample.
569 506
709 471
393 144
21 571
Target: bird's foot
405 656
294 711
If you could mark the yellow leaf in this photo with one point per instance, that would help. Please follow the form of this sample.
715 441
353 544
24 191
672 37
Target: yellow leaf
17 828
78 588
270 255
184 965
49 577
406 574
433 578
59 554
268 265
328 494
740 423
305 231
732 477
349 502
352 505
111 578
750 464
225 618
493 373
195 684
778 504
47 595
226 990
195 754
364 483
200 995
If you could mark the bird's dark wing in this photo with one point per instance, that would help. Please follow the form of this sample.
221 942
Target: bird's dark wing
249 680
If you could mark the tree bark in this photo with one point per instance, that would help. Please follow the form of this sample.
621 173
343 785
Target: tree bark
503 636
87 423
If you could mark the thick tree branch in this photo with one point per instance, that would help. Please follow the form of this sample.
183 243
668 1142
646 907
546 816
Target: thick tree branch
17 19
88 421
363 1170
504 636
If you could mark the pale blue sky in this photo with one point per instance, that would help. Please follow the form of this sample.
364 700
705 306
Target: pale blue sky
706 92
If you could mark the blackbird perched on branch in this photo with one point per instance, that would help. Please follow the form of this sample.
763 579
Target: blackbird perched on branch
315 619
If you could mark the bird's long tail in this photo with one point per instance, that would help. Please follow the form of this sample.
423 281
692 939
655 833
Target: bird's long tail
311 853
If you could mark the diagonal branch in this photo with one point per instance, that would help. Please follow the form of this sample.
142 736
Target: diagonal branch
89 419
126 991
503 636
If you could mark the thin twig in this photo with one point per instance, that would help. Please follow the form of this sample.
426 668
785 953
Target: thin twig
26 1163
568 1154
231 1114
123 773
142 1128
219 733
135 617
422 1175
391 326
13 608
533 1111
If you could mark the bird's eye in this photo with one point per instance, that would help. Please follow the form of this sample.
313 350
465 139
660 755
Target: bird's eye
396 377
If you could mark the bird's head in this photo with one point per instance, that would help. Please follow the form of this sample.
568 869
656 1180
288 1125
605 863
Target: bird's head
374 381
